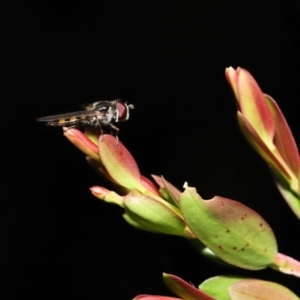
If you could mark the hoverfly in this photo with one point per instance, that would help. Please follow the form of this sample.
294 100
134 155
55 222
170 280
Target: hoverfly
95 115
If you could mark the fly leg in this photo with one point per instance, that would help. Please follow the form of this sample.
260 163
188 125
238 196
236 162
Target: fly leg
101 130
112 126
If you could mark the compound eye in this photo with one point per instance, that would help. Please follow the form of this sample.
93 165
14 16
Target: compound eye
123 111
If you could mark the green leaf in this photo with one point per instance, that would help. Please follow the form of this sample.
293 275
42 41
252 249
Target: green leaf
239 288
119 163
233 231
218 286
149 214
251 289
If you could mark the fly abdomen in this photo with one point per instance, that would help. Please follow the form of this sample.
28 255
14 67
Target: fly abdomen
65 121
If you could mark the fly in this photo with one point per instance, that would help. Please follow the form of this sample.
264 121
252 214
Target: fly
95 115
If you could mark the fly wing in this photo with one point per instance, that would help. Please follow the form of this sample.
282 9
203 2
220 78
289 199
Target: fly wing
83 118
68 116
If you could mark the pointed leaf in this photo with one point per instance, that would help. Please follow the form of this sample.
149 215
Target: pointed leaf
167 189
254 107
149 185
172 190
284 140
284 178
251 103
106 195
162 190
184 289
258 144
232 78
291 197
82 142
158 180
233 231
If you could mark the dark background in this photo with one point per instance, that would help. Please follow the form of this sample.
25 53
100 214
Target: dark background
168 59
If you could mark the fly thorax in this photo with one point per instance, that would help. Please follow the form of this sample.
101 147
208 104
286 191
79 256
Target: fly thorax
109 116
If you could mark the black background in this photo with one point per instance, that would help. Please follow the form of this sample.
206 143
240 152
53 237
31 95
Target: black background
168 59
